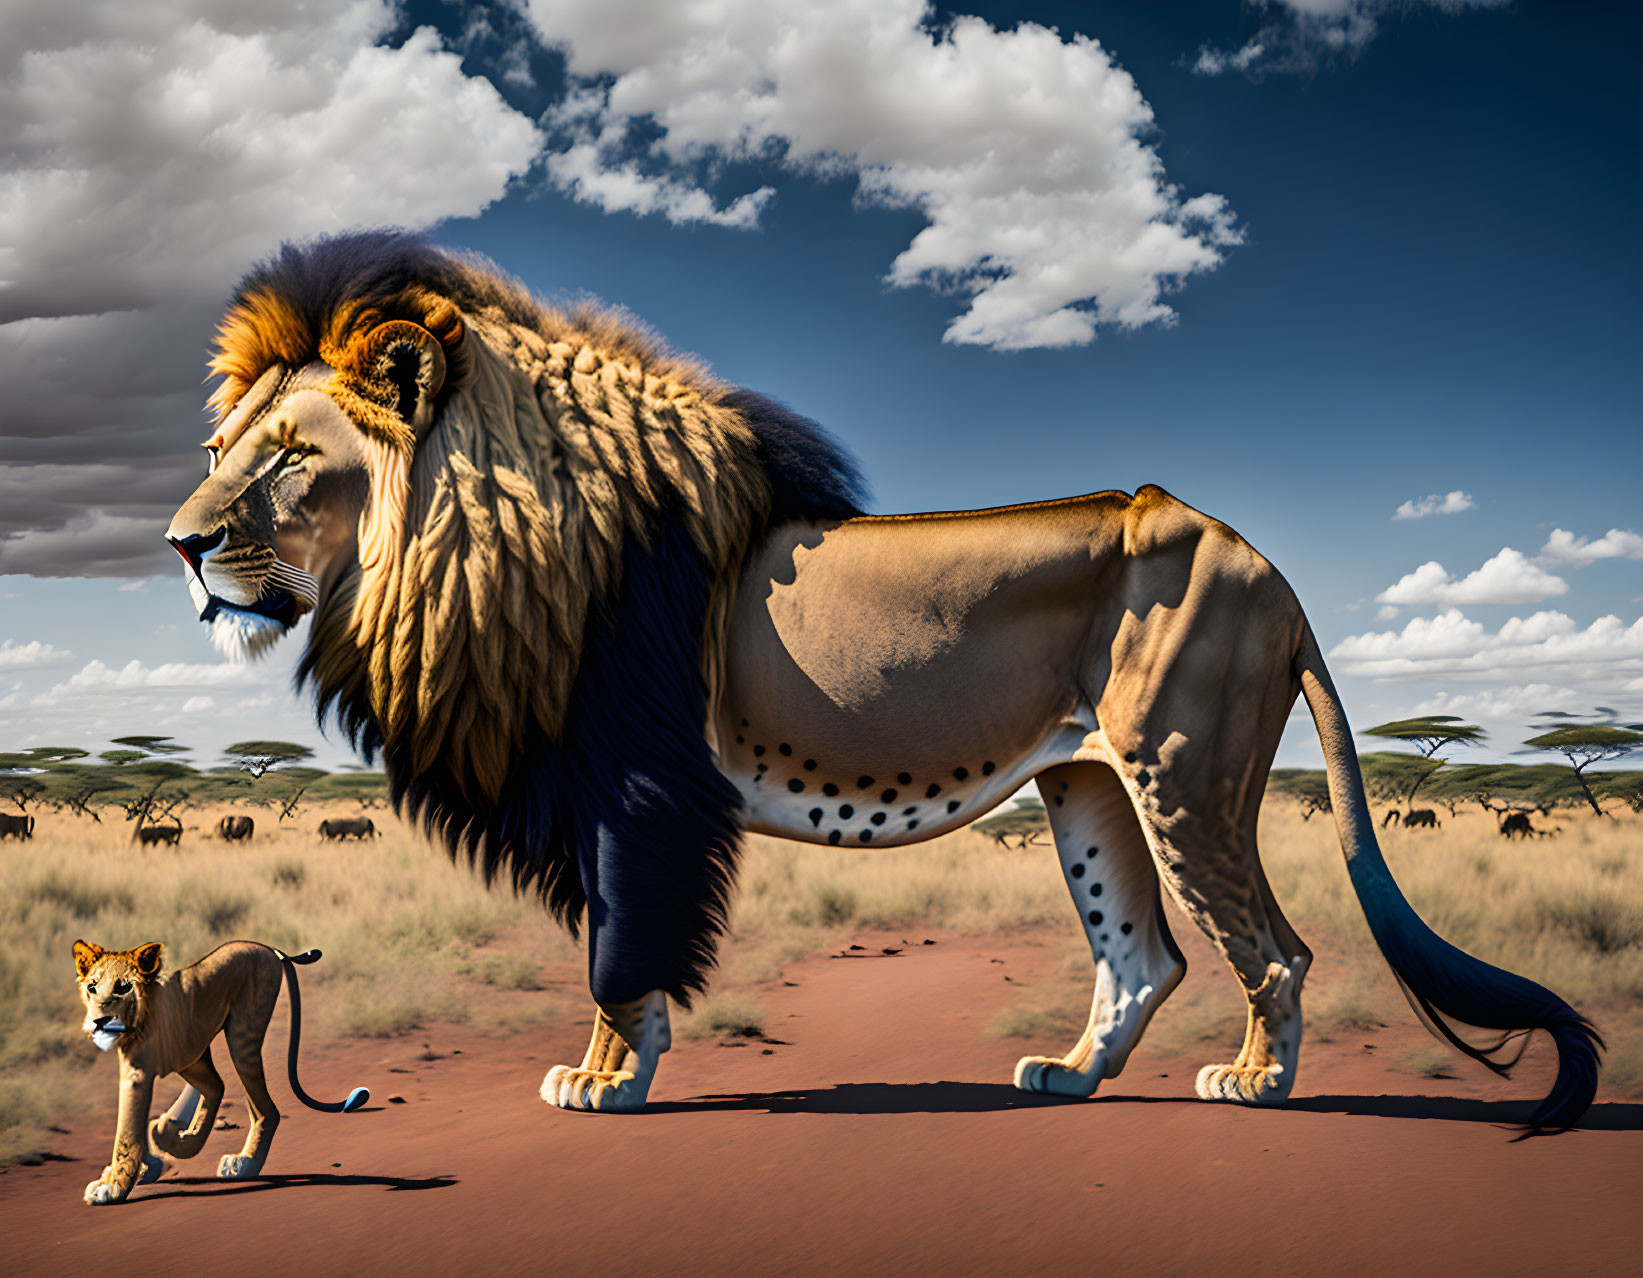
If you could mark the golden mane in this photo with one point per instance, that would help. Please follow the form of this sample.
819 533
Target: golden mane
562 436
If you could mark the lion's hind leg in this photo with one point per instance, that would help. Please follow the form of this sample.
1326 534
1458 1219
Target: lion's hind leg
182 1130
616 1073
1114 885
245 1030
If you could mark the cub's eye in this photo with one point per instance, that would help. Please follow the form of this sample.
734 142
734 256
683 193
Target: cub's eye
91 989
122 987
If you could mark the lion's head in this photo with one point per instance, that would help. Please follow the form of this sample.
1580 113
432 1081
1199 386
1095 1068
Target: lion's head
456 481
115 986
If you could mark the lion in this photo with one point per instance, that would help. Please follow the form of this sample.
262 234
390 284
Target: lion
163 1023
600 613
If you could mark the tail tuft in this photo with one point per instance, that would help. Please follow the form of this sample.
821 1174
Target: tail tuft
306 957
356 1098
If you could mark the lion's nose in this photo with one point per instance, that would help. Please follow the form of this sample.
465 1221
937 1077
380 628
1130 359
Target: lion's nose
196 547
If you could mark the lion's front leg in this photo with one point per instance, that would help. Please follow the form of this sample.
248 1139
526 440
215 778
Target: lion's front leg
615 1075
131 1158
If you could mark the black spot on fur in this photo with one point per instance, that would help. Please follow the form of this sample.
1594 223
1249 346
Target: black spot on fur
932 790
866 836
744 723
863 782
1077 870
741 740
815 816
833 836
889 796
1095 919
809 765
1091 850
1063 785
1058 800
758 751
909 811
953 805
1143 778
764 767
1130 756
877 818
846 812
785 748
904 778
829 789
960 774
1126 927
912 825
1096 889
987 768
796 786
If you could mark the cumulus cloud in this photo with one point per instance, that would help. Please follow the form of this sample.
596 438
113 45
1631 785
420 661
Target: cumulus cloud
1617 543
148 154
1450 503
1546 647
1023 151
1303 35
18 656
1508 578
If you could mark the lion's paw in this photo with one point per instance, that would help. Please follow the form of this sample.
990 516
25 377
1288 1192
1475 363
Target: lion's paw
594 1090
1053 1077
1245 1084
237 1167
103 1193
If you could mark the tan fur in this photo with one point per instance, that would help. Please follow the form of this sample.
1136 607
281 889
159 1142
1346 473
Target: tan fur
488 542
171 1018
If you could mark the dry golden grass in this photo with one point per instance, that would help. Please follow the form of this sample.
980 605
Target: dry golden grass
411 940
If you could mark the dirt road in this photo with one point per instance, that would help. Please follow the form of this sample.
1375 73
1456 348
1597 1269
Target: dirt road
878 1135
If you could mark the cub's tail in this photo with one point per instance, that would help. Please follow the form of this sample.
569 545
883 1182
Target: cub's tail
1442 983
355 1098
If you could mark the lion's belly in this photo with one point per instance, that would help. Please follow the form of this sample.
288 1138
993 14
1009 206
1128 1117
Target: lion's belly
838 806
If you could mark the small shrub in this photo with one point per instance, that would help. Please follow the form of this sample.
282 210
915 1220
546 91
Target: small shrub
289 874
80 898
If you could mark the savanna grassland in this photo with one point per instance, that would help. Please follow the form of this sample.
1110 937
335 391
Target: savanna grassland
412 941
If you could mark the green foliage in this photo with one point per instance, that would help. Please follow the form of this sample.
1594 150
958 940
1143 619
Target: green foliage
1394 778
1584 744
1428 734
258 757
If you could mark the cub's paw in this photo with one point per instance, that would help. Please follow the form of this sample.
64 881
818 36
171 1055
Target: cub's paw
237 1167
153 1168
1245 1084
594 1090
1053 1077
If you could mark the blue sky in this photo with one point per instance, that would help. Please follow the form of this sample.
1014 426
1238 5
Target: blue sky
1396 244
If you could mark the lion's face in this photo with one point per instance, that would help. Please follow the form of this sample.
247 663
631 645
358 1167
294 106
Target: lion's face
113 985
278 511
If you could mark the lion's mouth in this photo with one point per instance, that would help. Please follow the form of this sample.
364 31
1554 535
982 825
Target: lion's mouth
246 630
107 1034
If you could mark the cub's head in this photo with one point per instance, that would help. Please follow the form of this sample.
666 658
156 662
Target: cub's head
114 986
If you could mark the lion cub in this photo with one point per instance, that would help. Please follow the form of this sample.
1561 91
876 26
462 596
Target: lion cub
163 1023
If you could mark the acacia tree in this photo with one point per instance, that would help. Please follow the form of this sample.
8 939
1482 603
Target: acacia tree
1428 734
1584 744
258 757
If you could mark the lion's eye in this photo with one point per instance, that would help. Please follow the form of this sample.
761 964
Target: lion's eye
91 989
122 987
296 454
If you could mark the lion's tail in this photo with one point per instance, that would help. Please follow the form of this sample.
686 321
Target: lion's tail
355 1098
1442 983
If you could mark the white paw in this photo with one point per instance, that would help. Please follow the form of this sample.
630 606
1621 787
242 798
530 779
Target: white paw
1244 1085
592 1090
101 1194
153 1169
237 1167
1053 1077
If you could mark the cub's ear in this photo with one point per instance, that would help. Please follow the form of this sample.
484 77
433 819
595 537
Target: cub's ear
86 956
149 959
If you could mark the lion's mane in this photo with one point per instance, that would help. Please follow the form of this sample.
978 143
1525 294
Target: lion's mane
534 629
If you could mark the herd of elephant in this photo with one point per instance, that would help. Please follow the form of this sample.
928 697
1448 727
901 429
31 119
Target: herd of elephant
1514 823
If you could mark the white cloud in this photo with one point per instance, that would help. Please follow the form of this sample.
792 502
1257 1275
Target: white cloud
197 705
1021 149
96 678
1450 503
149 153
1545 647
1617 543
19 656
1508 578
1306 34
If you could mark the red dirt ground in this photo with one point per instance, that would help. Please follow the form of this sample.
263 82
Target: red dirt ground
879 1136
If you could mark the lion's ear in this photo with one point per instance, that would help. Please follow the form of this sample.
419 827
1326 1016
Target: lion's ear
86 956
401 366
149 959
